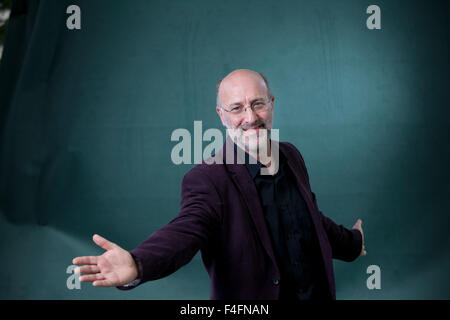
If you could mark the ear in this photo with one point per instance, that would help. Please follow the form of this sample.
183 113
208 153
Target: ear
219 112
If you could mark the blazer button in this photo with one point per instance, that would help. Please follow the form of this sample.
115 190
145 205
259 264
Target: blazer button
276 281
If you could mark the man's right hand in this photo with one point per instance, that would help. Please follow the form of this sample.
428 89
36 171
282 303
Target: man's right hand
115 267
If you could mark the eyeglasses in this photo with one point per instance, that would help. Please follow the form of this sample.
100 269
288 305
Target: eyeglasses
257 106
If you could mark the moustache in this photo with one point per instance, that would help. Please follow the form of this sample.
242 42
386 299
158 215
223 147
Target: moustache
258 123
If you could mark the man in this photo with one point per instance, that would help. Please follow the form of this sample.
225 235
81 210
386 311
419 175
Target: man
261 236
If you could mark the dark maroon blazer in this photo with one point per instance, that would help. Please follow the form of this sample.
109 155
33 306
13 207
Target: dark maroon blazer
221 215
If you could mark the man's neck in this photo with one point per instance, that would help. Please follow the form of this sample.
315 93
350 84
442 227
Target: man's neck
263 156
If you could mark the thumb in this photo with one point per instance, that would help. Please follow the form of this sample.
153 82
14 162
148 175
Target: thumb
102 242
358 224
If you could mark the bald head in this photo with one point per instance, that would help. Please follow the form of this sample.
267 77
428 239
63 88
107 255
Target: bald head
245 106
239 82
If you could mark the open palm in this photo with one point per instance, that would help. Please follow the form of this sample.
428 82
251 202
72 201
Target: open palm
115 267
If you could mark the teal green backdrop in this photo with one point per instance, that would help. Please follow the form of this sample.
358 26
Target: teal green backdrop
86 118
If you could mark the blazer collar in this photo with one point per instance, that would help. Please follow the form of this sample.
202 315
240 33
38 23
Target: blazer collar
253 165
244 183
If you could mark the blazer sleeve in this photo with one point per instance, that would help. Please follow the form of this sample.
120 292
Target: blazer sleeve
176 243
345 244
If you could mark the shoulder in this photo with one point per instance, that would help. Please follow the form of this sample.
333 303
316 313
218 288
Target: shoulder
290 150
204 182
294 155
205 172
287 145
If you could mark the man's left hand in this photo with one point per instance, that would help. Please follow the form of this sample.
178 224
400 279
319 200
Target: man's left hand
358 227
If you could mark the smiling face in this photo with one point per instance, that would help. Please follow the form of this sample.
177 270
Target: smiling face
246 92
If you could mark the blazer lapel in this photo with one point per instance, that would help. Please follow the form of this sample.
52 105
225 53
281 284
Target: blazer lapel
247 189
301 179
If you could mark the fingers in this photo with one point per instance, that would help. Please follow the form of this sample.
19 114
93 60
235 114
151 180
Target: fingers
102 242
85 260
363 251
102 283
92 277
89 269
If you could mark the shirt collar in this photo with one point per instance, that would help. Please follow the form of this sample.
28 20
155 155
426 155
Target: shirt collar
255 166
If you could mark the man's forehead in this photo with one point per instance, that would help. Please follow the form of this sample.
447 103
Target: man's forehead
242 78
243 87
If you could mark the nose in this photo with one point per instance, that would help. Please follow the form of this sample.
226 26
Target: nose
250 115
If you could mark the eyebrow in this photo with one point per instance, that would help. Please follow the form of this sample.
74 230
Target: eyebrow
240 103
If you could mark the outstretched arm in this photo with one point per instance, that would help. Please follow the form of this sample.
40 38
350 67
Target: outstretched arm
346 244
175 244
167 249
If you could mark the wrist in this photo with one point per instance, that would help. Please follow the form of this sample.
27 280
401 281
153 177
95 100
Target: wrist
137 266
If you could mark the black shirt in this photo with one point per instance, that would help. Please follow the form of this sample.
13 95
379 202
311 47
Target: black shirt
293 236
